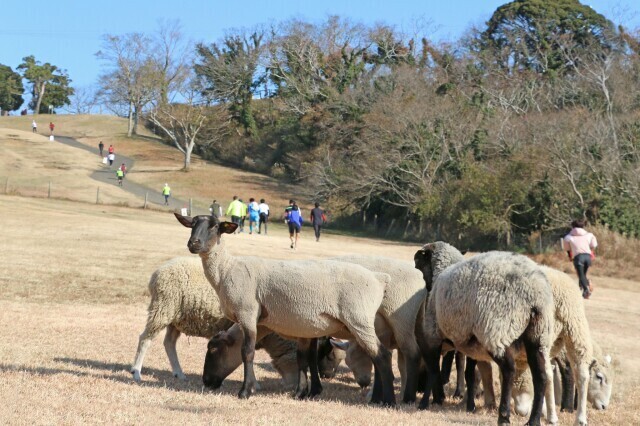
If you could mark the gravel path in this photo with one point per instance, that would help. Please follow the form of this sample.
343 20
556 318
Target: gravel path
106 175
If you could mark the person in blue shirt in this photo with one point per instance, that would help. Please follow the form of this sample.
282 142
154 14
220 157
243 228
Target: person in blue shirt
294 219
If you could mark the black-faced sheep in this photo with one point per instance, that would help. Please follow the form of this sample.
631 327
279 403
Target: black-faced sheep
183 301
302 299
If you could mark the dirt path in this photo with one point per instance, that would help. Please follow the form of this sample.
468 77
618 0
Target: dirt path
105 174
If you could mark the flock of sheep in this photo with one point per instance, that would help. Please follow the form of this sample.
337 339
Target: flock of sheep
496 307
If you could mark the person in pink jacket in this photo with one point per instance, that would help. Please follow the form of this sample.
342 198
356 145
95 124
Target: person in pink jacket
580 245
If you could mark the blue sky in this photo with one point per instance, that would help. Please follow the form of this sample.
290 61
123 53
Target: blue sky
67 33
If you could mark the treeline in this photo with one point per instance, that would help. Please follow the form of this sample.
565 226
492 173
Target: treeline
510 131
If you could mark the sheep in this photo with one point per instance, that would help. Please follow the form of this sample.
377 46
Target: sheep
183 301
572 344
302 299
487 307
224 356
396 319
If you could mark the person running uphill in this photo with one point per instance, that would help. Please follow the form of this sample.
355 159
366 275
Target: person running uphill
166 192
101 148
580 244
294 219
318 219
254 214
263 209
119 175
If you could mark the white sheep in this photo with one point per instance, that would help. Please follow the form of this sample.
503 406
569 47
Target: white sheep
572 342
304 299
488 307
183 301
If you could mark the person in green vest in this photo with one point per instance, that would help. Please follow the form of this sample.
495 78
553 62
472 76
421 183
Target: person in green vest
119 175
166 191
235 210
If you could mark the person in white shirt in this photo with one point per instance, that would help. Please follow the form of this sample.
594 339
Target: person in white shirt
263 209
34 126
580 246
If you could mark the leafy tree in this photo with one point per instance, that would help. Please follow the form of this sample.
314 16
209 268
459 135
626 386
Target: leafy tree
11 89
49 84
229 73
524 34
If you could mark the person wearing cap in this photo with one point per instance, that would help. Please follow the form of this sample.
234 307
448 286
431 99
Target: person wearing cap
166 191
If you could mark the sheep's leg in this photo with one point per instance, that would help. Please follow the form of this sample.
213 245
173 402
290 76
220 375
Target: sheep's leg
460 374
537 360
434 379
470 377
487 383
302 357
447 363
248 354
568 387
149 333
411 369
376 389
316 386
582 387
402 367
507 368
170 341
366 337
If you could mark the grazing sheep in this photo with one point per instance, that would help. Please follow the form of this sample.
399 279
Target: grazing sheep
396 319
183 301
572 333
488 307
302 299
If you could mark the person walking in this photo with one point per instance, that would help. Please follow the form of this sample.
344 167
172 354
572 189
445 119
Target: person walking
166 192
111 157
254 214
101 147
215 209
111 149
294 220
120 176
318 219
34 126
263 211
243 214
235 210
580 246
51 126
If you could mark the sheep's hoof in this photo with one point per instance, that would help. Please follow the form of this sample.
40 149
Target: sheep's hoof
409 400
244 393
424 404
136 375
302 393
180 376
471 408
457 394
315 392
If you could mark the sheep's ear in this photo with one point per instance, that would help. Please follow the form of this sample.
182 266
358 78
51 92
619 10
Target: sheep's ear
339 344
227 228
228 339
185 220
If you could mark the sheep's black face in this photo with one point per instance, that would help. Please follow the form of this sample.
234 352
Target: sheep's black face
422 260
220 360
329 358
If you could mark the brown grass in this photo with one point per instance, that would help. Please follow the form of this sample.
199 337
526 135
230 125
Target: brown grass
73 292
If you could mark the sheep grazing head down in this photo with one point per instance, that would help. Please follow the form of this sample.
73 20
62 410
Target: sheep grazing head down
600 383
206 231
223 357
357 361
329 358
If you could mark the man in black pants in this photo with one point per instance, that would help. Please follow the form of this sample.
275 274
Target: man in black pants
318 219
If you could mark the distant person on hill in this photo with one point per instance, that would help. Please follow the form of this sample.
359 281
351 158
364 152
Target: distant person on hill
294 220
166 191
101 147
119 175
216 209
254 214
581 245
34 126
123 167
51 126
111 157
318 219
263 210
111 149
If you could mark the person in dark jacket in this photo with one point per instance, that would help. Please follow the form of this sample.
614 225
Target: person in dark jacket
318 219
294 220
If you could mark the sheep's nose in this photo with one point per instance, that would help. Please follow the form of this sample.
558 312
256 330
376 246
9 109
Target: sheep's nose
194 244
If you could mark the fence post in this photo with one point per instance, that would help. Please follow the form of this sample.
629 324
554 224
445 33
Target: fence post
49 193
364 219
406 228
146 197
375 222
98 196
393 221
6 186
190 206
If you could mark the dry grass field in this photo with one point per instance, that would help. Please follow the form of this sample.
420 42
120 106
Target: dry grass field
73 297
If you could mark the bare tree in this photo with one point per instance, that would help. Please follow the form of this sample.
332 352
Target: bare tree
132 75
173 56
83 100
